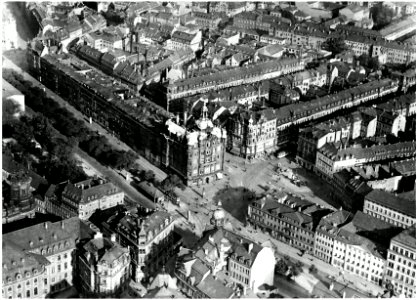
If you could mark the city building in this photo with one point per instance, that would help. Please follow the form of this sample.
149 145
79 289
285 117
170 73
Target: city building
104 267
25 274
18 200
349 189
149 237
313 138
151 191
82 199
252 134
390 208
205 20
182 39
401 263
55 245
223 261
104 41
330 158
287 218
233 77
360 15
393 52
203 144
397 30
327 231
361 245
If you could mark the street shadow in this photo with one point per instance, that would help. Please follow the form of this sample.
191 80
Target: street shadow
189 238
318 186
235 200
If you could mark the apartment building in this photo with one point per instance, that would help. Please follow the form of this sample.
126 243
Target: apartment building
104 267
83 198
313 138
390 208
24 274
358 247
327 231
53 245
287 218
205 147
401 263
205 20
104 41
149 238
330 159
252 134
182 39
394 52
234 261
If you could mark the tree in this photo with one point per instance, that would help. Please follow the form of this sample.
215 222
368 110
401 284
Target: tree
10 110
288 15
281 267
366 61
335 45
381 15
313 269
148 175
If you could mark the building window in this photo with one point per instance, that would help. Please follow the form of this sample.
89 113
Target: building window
35 291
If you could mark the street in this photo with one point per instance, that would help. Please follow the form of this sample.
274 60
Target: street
237 174
130 191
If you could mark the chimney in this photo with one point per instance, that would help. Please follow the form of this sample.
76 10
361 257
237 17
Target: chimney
62 224
113 237
178 119
185 118
98 235
331 286
46 225
250 247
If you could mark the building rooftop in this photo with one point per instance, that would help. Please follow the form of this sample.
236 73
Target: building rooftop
107 251
405 167
16 262
89 190
389 200
50 237
407 237
214 288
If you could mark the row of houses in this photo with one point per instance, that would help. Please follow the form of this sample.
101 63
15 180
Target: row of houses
360 244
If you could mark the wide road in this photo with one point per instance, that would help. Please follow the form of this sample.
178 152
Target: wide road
111 174
116 143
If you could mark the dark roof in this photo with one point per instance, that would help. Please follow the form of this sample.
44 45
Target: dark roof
106 249
407 237
407 207
47 234
215 288
16 261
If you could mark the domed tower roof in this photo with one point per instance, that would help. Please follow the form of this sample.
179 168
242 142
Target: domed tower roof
218 215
